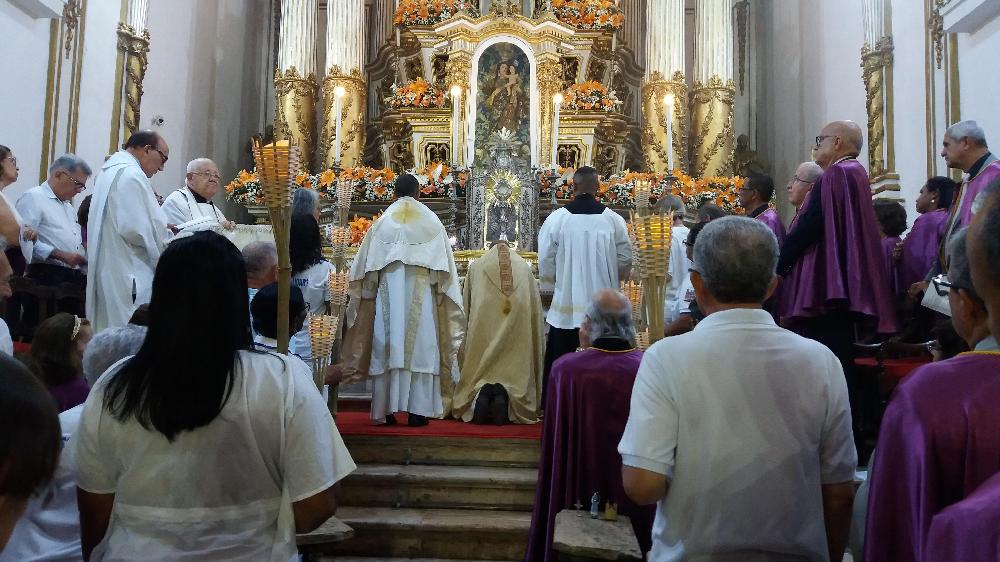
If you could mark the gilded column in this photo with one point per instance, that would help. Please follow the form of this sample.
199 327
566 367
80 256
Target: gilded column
549 84
664 75
295 80
457 72
876 65
345 62
133 59
714 90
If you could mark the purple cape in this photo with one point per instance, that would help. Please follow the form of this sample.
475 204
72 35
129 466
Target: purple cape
920 249
70 394
938 442
585 414
972 188
970 529
773 221
848 264
888 247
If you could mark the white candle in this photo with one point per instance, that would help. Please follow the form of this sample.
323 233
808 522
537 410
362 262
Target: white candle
557 102
456 124
338 94
668 101
614 42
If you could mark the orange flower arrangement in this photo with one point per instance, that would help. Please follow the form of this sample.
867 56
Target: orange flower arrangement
590 95
418 93
370 184
429 12
721 191
245 189
589 14
359 227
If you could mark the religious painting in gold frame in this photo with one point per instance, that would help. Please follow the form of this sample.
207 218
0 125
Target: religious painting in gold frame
502 196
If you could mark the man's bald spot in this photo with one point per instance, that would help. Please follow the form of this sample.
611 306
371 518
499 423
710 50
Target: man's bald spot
611 301
809 172
848 131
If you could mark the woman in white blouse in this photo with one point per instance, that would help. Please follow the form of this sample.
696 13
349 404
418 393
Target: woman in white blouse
12 228
198 448
310 273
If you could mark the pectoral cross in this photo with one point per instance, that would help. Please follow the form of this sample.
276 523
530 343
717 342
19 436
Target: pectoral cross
405 213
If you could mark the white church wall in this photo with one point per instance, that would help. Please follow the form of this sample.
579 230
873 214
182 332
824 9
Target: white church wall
26 56
203 79
979 80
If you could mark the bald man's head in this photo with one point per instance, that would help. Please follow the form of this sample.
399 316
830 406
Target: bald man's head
608 316
838 140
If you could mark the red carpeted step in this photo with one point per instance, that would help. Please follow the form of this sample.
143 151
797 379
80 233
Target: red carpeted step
359 423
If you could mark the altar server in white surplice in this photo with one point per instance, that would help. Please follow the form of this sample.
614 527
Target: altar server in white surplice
405 316
583 247
127 231
194 200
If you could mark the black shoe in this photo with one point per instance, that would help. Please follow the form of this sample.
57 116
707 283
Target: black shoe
499 406
390 420
481 413
417 421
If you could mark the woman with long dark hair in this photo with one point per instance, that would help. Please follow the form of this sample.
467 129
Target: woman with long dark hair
310 273
199 447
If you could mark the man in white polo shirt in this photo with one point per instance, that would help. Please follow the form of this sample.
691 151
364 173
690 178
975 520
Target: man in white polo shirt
740 430
58 256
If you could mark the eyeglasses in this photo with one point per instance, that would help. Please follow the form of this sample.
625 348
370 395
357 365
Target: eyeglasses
76 182
209 175
162 155
800 180
941 285
12 160
821 138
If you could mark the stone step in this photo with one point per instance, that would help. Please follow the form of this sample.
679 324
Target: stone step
383 559
453 534
455 451
426 486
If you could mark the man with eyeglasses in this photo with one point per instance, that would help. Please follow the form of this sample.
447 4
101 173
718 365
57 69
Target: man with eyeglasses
806 176
194 200
832 263
58 255
938 440
126 231
755 198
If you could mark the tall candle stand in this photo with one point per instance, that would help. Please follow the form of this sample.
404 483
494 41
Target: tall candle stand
277 165
322 335
340 239
652 238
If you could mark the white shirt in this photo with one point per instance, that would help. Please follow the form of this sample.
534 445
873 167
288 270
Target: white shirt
126 232
6 343
50 526
579 255
56 223
314 284
181 207
224 490
678 270
748 421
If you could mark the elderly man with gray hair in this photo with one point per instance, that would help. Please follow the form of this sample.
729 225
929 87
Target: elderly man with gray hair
194 200
740 430
58 255
586 409
964 148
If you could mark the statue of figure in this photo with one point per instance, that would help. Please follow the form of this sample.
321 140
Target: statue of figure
746 162
505 101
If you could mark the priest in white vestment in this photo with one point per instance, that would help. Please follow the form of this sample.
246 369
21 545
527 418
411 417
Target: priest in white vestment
406 307
677 269
127 231
583 247
193 202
